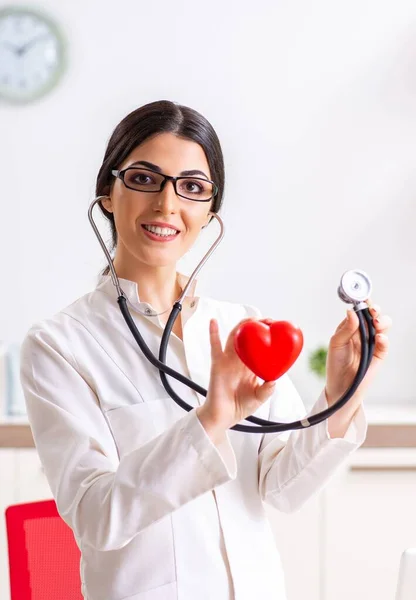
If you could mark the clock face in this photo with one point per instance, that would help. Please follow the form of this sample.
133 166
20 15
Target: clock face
31 55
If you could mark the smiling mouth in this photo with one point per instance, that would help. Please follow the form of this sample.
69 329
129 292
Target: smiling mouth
160 233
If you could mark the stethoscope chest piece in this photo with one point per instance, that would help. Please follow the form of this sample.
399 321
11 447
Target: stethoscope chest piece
355 287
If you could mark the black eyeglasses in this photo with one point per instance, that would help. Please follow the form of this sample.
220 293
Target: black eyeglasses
198 189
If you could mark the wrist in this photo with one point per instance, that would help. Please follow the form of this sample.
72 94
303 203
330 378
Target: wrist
339 422
330 401
215 430
350 407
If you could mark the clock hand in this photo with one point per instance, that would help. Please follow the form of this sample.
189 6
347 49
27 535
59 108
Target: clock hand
13 48
23 49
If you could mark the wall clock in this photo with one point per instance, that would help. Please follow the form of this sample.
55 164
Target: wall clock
32 54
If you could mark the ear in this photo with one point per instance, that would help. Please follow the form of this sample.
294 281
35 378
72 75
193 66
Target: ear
207 220
107 204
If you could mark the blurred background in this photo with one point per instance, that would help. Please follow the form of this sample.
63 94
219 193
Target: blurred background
315 106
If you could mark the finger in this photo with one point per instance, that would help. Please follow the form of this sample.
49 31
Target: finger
214 338
264 391
375 310
382 346
382 324
341 325
345 330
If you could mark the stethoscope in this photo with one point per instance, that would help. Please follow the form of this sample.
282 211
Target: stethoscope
354 288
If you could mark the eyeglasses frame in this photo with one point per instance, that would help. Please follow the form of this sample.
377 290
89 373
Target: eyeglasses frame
121 173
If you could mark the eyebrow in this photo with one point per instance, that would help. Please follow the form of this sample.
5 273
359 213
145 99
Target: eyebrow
159 170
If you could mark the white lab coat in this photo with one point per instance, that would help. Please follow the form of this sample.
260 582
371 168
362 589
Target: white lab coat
158 511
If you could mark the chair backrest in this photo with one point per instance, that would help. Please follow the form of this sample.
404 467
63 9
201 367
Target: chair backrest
44 559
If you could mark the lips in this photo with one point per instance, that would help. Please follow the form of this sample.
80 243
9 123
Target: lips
158 224
160 238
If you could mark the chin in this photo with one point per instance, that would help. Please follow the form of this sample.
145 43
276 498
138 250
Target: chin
159 262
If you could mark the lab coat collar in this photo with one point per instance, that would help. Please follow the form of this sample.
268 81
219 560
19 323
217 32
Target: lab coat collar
131 289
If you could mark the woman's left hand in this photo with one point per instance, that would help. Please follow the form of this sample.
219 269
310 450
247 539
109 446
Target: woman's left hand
344 355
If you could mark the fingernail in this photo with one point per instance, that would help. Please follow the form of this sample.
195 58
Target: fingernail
377 321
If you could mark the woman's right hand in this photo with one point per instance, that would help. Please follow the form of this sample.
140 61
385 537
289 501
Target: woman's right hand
233 392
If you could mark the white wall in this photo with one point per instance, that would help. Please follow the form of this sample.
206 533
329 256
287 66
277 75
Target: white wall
315 106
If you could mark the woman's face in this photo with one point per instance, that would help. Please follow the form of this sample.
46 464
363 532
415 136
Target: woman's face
132 209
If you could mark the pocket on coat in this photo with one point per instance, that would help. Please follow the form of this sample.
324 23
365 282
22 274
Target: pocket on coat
135 424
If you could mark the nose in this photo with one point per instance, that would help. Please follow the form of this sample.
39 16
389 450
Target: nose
166 201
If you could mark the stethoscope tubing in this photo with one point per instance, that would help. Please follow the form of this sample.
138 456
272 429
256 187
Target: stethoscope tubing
262 425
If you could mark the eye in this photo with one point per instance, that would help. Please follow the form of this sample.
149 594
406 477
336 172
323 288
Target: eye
193 186
142 178
138 179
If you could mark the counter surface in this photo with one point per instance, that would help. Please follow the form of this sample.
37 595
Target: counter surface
379 435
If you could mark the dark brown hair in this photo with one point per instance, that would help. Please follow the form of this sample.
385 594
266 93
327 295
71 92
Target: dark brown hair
149 120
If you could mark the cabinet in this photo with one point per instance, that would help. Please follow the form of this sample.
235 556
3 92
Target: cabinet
31 480
346 543
8 495
369 519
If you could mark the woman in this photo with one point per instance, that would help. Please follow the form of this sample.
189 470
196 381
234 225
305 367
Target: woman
166 504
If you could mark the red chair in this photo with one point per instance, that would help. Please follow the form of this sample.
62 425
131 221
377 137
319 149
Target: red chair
43 555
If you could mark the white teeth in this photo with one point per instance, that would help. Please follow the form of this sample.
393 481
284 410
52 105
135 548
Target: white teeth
163 231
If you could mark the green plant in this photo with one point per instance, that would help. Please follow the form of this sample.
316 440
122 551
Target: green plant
317 361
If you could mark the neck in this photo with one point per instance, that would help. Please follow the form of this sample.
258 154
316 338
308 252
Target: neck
156 285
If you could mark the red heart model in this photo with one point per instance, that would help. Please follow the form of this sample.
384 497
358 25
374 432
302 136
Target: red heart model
268 348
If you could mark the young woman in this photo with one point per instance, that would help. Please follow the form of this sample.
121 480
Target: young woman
166 504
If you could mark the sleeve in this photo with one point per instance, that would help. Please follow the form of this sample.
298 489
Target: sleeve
295 465
106 500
